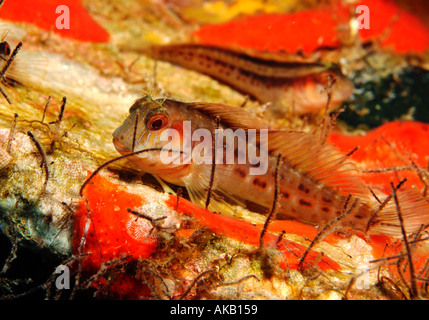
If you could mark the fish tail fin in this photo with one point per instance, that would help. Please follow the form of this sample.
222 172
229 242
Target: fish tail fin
414 210
28 67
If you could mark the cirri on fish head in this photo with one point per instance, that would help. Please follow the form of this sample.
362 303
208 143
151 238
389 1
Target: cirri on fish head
317 184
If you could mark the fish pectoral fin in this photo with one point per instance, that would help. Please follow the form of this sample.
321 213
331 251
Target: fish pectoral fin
212 198
218 201
221 202
164 186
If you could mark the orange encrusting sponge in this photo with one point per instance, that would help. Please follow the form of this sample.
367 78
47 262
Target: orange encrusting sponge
42 13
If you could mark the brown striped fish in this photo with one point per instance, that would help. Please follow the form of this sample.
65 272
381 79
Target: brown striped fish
285 83
314 180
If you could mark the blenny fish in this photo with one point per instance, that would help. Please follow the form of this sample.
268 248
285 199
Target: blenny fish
5 61
314 179
22 68
295 84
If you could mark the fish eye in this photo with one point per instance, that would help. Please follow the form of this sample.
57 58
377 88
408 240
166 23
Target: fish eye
4 48
156 119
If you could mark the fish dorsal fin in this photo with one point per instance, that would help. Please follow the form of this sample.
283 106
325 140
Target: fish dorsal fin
318 161
231 117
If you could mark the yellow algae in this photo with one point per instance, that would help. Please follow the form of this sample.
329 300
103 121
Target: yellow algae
220 11
205 12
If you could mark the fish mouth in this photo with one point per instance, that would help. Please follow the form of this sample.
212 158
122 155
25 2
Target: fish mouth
120 147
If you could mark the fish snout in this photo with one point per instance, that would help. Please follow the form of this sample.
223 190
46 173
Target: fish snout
122 149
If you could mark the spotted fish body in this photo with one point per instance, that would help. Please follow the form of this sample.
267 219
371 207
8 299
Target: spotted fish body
316 182
297 86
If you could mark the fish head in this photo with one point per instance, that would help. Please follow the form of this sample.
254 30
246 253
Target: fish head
157 127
